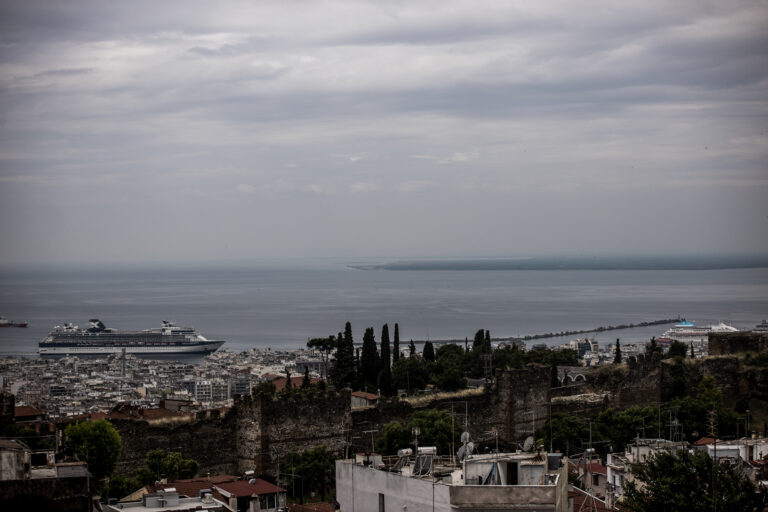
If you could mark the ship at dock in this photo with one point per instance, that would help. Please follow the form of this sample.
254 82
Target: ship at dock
99 339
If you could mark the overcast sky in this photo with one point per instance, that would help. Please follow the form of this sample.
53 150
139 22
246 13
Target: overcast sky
143 131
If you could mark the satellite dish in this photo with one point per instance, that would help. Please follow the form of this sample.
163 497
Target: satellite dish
470 447
461 453
528 445
465 437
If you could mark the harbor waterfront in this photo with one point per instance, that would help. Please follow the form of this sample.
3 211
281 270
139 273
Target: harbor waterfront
282 306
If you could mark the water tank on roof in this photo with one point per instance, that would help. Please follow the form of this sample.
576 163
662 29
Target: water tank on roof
404 452
427 450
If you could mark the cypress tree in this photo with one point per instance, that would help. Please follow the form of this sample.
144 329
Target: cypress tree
396 345
488 340
617 356
343 373
288 381
305 382
429 351
477 345
369 359
412 349
693 355
385 356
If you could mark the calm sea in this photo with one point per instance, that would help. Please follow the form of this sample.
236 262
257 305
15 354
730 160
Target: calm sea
281 306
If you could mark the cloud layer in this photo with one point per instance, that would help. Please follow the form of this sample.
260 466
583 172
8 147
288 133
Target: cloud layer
186 130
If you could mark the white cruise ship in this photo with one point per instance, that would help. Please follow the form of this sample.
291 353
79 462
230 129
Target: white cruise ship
690 333
98 339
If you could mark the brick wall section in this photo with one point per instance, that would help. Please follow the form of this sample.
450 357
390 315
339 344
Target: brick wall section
268 430
734 342
506 406
210 440
518 404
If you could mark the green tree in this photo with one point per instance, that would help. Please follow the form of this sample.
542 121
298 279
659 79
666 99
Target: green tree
409 373
677 349
434 430
386 361
447 371
693 355
617 356
396 344
411 349
306 383
343 373
325 346
429 352
684 481
479 344
265 389
97 443
393 437
170 465
315 472
369 360
385 375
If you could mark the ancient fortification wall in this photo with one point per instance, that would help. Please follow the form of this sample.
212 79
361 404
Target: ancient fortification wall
209 440
268 430
258 433
737 342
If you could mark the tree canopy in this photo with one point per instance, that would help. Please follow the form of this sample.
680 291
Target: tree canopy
369 360
343 373
683 481
314 470
97 443
435 428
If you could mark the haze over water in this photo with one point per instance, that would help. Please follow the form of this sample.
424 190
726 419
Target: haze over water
281 306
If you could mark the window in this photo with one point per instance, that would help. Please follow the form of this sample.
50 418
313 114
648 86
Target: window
382 508
595 479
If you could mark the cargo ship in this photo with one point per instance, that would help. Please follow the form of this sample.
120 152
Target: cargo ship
99 339
4 322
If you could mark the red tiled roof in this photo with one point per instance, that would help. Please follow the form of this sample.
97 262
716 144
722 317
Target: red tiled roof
242 488
596 467
363 394
22 411
704 441
586 502
191 487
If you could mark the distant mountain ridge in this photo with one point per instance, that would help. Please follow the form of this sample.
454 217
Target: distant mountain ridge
581 263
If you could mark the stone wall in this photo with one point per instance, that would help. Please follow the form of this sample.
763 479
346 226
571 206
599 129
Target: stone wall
520 401
510 405
735 342
209 439
268 430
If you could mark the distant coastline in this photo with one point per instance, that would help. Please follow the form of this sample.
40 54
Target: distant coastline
581 263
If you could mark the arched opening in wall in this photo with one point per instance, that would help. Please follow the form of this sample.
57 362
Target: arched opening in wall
579 378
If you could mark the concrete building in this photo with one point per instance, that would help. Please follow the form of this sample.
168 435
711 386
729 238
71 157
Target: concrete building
361 399
512 481
15 460
169 500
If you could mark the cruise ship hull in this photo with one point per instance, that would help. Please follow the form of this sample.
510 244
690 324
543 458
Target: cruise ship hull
202 348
